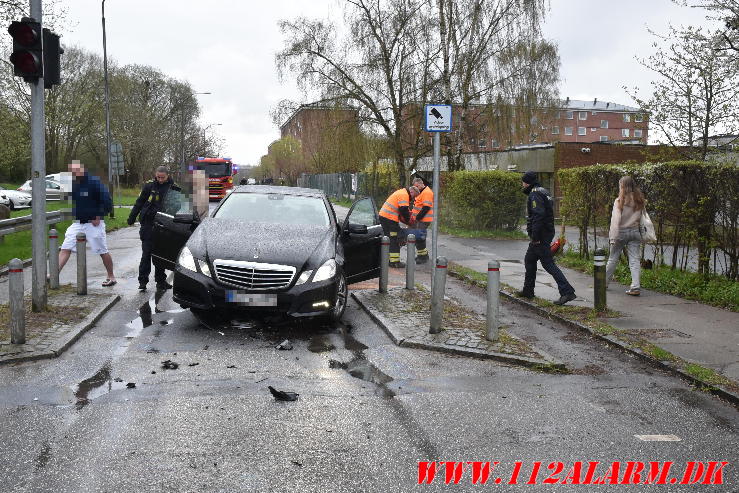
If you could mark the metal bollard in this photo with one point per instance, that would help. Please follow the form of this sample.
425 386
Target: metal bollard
437 295
53 259
410 262
16 302
599 279
384 263
493 300
81 264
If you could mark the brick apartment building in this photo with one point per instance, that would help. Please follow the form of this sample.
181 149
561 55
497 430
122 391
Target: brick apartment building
313 123
490 129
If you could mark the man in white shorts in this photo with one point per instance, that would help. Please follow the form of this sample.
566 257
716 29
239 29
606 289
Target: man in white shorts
92 202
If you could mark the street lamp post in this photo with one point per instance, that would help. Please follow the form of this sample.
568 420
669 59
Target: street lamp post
107 102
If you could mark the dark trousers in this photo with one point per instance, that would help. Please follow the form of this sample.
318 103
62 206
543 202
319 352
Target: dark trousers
543 254
145 265
391 229
421 250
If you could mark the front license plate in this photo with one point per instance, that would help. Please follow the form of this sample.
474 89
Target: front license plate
247 299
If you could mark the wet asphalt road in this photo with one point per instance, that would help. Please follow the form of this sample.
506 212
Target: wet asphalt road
368 411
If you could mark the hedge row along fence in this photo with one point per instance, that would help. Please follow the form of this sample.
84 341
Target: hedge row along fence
692 204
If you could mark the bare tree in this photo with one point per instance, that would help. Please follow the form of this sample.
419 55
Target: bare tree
376 65
695 95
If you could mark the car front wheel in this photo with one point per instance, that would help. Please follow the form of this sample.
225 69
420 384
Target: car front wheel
11 205
342 294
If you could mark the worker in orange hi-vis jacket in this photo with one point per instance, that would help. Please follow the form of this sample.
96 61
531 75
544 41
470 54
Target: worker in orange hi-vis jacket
422 216
396 209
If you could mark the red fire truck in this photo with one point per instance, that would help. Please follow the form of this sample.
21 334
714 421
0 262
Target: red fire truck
220 172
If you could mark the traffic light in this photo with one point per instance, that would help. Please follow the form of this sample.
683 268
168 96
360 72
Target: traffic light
52 62
27 56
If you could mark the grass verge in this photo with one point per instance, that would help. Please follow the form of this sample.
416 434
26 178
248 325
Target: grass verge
497 234
341 202
711 290
594 320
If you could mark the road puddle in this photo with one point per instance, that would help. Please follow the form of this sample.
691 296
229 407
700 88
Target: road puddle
99 384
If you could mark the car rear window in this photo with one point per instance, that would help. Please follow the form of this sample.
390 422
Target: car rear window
274 208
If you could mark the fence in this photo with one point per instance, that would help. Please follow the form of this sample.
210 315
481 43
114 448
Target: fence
16 224
351 185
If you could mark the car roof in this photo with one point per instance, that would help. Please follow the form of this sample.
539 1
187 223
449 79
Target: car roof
281 190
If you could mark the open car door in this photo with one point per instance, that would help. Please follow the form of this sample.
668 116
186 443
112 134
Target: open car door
171 231
361 234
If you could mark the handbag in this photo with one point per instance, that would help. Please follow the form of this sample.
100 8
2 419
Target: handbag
646 227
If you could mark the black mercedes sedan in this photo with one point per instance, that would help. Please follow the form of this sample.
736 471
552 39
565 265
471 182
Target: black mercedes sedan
269 249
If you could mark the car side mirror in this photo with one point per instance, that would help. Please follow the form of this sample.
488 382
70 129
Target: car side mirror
359 229
185 218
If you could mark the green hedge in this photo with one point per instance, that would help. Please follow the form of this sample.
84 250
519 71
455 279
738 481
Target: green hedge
482 200
691 204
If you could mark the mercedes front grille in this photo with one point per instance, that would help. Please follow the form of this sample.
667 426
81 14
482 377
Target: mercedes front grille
253 275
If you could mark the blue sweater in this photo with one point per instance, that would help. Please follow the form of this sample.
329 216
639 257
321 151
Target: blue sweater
91 198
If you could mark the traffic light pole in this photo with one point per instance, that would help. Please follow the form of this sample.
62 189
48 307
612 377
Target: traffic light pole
38 184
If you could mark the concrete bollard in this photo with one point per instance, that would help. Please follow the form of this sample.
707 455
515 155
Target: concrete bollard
16 302
493 300
384 263
81 264
599 279
410 262
53 259
437 295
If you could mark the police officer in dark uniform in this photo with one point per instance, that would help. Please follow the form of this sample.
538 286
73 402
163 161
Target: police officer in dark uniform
540 227
151 201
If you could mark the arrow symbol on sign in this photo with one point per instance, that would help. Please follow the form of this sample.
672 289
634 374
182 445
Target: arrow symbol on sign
436 113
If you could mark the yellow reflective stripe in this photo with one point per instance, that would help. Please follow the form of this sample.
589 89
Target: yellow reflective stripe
402 203
389 206
393 233
428 203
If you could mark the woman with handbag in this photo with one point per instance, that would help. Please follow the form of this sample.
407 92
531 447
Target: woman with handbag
626 218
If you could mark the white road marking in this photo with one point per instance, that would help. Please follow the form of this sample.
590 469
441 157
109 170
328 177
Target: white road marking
659 438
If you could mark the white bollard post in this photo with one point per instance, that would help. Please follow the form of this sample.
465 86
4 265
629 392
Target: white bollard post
410 262
493 300
384 263
16 302
53 259
437 295
81 264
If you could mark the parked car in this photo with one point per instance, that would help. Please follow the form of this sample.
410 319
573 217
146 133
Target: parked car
14 198
54 190
269 250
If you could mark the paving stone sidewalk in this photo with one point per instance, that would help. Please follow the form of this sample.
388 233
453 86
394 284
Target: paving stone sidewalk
405 316
49 338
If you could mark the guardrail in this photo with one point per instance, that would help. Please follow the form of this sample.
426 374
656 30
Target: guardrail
16 224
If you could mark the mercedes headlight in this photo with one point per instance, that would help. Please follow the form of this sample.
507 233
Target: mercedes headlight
326 271
203 265
303 277
186 259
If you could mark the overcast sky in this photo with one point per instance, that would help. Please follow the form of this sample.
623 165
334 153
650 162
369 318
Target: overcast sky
227 47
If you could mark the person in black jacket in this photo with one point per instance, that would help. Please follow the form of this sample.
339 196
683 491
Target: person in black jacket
540 228
151 201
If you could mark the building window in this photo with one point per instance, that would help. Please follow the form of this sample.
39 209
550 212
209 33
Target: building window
624 132
604 124
583 115
637 133
570 115
627 117
639 117
472 142
494 143
604 138
568 130
558 115
582 130
482 143
555 130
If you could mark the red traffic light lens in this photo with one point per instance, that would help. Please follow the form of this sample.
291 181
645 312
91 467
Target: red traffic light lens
23 33
25 61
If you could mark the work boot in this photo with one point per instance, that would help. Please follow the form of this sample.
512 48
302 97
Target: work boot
525 294
163 285
397 265
142 286
565 298
422 259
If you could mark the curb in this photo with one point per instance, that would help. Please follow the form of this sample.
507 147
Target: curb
386 326
65 342
617 343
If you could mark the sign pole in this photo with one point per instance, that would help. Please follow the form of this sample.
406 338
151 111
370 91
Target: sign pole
435 224
38 187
